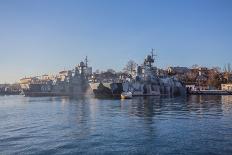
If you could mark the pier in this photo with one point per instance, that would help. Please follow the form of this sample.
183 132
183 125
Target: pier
210 92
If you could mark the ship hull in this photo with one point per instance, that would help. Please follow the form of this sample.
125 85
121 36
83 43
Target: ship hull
41 90
107 90
114 90
50 94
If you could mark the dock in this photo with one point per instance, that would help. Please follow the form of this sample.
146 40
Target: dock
210 92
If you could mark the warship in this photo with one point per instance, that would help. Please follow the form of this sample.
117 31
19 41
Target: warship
72 83
8 90
144 81
107 89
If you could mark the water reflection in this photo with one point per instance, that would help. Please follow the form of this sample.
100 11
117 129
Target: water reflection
149 107
142 125
205 105
226 103
144 106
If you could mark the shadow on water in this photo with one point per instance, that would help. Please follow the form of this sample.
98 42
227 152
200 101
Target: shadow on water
204 104
177 106
152 106
147 106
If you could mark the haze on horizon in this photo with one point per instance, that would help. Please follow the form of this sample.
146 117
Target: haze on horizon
38 37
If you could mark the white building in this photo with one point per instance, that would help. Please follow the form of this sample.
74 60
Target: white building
227 87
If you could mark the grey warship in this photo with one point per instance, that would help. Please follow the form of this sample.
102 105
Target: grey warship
144 81
72 83
107 89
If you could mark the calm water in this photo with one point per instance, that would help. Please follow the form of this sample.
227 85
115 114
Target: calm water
54 125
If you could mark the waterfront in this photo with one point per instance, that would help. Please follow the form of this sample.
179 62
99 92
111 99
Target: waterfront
152 125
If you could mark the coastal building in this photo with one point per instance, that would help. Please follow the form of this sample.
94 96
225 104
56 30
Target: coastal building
177 70
203 70
62 76
47 77
226 87
227 76
24 82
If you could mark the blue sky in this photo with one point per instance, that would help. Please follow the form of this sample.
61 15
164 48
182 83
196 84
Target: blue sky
46 36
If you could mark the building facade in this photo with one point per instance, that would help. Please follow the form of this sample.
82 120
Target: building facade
227 87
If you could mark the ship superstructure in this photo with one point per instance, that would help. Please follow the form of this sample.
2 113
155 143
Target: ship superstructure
108 86
143 82
67 83
146 81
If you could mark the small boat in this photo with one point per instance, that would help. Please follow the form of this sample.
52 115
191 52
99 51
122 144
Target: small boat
126 95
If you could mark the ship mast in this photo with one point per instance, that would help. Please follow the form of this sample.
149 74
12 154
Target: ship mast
152 54
150 59
86 61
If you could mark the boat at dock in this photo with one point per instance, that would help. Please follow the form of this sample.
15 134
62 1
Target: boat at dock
107 89
142 82
10 90
73 83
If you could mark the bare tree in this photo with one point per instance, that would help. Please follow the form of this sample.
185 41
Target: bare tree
111 71
213 78
216 69
227 68
97 71
130 66
195 66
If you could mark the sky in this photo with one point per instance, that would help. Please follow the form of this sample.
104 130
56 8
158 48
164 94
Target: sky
46 36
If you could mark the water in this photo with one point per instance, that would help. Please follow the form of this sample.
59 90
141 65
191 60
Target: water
154 125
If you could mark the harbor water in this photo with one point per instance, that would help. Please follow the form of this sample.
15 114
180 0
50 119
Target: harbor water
151 125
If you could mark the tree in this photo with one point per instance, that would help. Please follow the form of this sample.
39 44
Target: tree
97 71
213 78
111 71
227 68
191 76
130 66
216 69
195 66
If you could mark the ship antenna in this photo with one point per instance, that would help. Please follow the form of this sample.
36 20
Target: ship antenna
86 61
152 54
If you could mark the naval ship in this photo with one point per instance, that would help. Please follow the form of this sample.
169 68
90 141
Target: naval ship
143 82
72 83
107 89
